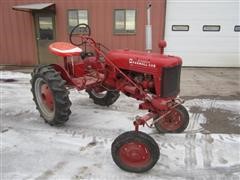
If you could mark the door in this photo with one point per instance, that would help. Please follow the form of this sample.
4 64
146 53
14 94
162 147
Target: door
45 35
204 33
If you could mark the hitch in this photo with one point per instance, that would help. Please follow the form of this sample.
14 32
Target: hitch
142 120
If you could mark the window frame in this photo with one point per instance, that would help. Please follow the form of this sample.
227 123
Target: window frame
188 28
211 26
237 28
124 32
68 25
52 28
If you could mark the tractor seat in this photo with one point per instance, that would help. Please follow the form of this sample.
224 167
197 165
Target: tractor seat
64 49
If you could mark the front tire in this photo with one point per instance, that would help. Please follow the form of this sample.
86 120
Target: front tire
50 95
105 98
175 122
135 151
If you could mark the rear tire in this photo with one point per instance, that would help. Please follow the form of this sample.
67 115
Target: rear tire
50 95
135 151
175 122
106 98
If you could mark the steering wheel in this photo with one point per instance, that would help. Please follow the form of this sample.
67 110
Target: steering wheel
80 30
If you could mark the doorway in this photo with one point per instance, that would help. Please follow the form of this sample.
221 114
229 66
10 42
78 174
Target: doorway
45 35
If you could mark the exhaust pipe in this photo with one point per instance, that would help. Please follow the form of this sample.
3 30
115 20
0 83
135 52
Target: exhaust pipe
148 29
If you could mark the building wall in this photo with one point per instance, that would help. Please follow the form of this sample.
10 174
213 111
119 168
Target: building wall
17 42
17 34
199 47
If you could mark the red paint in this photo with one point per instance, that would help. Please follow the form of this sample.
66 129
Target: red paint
172 121
162 44
115 73
64 49
47 97
134 73
134 154
142 61
150 63
79 69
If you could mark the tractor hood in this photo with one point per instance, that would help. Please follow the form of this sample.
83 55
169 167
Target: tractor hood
142 61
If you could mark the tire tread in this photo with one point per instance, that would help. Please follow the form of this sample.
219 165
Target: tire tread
60 93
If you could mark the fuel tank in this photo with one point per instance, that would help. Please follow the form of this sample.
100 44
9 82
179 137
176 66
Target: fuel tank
142 61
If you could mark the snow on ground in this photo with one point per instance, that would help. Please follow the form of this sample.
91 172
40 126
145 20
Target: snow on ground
30 149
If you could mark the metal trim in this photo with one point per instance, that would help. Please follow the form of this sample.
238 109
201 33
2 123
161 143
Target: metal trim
35 7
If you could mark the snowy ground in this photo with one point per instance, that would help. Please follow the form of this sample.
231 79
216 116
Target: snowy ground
30 149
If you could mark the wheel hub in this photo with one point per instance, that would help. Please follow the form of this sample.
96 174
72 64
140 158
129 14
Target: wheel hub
47 96
172 121
134 154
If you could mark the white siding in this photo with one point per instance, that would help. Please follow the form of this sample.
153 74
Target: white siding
198 48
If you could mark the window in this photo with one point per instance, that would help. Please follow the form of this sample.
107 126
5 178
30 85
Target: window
76 17
212 28
124 21
180 27
45 28
237 28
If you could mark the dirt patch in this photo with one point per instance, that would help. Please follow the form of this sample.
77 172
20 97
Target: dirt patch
215 97
83 173
4 130
8 80
50 172
219 120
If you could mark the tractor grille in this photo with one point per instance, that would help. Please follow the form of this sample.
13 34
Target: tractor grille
171 81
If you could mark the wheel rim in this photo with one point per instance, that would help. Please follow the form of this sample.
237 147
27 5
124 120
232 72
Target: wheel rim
134 154
99 94
45 99
172 121
47 96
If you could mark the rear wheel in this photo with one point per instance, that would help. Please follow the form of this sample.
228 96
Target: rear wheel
135 151
50 95
175 122
105 98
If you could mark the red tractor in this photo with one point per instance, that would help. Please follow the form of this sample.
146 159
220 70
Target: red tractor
152 78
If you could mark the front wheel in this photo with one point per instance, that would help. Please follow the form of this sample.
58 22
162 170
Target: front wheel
105 98
175 122
135 151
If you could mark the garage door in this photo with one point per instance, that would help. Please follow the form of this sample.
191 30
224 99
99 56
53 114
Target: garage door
204 33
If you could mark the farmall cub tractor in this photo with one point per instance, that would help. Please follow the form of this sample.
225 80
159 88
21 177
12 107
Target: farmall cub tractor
152 78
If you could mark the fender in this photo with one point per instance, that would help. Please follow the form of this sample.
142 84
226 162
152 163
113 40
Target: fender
64 74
